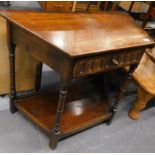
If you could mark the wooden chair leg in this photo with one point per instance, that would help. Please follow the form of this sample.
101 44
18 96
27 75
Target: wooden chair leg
141 102
148 14
131 6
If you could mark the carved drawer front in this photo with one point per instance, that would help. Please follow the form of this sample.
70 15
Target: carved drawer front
96 64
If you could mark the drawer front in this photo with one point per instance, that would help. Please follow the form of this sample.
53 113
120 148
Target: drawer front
58 6
106 62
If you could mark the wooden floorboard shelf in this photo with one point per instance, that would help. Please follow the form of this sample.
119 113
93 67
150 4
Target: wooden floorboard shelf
83 108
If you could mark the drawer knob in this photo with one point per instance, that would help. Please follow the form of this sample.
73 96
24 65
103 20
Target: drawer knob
58 5
115 62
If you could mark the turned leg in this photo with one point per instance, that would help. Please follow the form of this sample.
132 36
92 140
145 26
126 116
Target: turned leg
106 87
38 77
141 102
119 95
11 48
102 79
60 108
12 78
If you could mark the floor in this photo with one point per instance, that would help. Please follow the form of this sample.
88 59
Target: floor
123 135
17 134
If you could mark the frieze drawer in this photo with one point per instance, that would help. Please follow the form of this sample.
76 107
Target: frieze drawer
106 62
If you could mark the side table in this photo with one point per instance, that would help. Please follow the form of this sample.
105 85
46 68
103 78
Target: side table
76 46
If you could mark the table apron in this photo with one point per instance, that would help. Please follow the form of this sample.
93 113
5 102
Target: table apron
42 51
106 62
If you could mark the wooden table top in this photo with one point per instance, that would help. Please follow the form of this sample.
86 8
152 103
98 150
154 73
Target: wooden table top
77 34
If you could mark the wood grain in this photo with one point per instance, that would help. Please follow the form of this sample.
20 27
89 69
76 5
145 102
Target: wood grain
145 74
140 103
83 107
145 78
83 33
107 62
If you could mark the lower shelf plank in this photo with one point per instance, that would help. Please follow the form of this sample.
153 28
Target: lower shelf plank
85 106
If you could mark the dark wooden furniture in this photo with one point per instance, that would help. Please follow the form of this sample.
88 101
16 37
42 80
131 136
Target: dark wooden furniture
86 6
69 6
147 7
150 12
5 3
76 46
56 6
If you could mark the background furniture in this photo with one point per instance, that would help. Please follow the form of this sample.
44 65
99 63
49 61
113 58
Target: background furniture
86 6
5 3
72 6
133 6
56 6
145 74
24 81
145 78
150 13
145 7
141 11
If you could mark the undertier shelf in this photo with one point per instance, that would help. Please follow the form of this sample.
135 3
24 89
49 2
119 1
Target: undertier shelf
85 106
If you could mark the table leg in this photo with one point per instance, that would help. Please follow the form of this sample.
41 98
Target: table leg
60 108
12 48
38 77
141 102
119 95
12 78
106 88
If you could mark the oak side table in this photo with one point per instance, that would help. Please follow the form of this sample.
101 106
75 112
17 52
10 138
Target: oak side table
76 46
